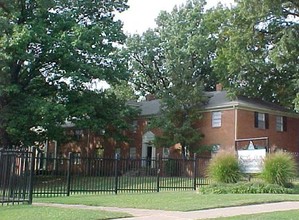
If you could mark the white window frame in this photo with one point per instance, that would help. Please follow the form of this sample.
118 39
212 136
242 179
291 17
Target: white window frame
216 119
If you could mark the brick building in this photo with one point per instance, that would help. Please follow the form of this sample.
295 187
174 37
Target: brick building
226 124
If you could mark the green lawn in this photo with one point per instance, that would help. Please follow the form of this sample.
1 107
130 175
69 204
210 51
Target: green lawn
285 215
179 201
27 212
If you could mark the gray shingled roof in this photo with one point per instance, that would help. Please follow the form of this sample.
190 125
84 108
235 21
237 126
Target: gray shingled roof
217 99
147 108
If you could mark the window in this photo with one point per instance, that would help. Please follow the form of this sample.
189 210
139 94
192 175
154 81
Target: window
78 133
148 122
216 119
77 158
261 120
134 126
117 151
165 152
133 152
281 123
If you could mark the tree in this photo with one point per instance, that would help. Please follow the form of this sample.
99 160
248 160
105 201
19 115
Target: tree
178 121
147 63
173 62
259 53
51 53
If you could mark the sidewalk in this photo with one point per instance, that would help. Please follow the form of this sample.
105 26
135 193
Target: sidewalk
146 214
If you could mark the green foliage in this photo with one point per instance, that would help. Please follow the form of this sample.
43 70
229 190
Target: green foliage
245 188
172 167
257 54
224 168
279 168
51 53
173 62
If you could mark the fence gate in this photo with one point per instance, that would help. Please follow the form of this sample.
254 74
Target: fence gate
16 172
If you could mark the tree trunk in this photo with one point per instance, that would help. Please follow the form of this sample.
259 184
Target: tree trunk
4 138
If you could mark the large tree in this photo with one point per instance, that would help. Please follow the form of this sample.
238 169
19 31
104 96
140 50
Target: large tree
52 52
173 62
259 56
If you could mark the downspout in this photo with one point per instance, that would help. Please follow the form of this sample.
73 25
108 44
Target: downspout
235 125
55 154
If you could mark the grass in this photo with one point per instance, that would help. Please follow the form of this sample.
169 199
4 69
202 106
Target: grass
21 212
176 201
50 185
283 215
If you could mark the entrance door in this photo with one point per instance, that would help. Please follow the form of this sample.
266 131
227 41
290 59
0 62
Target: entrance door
149 156
148 149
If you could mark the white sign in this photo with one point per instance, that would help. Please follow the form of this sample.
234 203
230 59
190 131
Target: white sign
251 161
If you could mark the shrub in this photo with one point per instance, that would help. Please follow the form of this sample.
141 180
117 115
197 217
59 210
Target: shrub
279 168
224 168
172 167
245 188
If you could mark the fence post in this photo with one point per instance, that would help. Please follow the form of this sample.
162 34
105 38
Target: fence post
32 166
158 172
195 170
116 174
70 156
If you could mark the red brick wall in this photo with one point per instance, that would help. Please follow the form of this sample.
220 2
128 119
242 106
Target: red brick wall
288 140
224 135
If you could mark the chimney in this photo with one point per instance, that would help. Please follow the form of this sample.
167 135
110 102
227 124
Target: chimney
150 97
219 87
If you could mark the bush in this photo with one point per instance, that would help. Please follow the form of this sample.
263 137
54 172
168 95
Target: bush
172 167
245 188
279 168
224 168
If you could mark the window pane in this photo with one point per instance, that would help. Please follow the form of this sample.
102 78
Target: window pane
261 120
279 123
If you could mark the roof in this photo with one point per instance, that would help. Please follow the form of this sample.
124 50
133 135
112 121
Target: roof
220 99
147 108
217 100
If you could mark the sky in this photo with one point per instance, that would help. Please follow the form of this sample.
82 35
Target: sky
142 13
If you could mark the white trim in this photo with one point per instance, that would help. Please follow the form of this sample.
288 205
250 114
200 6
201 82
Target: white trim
252 109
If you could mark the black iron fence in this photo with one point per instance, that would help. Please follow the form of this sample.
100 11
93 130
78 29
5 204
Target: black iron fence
16 173
24 175
74 175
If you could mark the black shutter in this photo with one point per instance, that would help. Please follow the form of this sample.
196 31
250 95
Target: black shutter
266 121
256 119
284 121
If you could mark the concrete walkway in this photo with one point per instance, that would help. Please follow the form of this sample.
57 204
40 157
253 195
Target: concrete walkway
146 214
